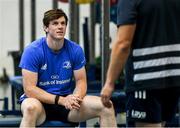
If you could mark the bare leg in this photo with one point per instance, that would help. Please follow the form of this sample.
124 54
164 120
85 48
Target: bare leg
33 113
92 107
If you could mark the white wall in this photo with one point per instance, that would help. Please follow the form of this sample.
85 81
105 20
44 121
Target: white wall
8 32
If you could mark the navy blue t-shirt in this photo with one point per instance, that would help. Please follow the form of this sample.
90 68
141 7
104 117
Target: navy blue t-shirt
154 61
55 69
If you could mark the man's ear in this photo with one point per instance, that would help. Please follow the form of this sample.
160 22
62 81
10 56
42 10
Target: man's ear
45 28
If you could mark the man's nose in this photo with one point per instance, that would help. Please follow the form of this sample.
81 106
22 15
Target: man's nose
60 26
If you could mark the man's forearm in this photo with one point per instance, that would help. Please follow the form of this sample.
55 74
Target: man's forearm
41 95
119 56
80 89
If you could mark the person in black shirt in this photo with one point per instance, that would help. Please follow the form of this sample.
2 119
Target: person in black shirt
148 44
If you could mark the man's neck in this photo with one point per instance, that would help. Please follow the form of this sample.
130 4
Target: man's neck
55 45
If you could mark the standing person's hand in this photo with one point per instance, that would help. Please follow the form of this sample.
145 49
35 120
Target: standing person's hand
106 93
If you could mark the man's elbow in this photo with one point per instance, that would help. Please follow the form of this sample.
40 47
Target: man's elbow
123 46
29 91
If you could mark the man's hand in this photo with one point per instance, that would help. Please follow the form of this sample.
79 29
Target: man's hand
106 93
72 102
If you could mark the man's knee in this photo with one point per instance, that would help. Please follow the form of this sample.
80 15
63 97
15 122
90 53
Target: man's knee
31 107
108 111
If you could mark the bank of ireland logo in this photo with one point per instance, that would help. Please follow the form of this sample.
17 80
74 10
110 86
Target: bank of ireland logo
67 65
55 77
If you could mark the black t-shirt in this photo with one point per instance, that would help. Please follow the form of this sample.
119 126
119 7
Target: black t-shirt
154 61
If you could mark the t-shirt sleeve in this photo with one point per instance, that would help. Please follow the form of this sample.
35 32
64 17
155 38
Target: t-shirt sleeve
79 59
29 60
126 12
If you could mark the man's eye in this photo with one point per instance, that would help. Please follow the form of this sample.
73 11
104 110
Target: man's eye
55 23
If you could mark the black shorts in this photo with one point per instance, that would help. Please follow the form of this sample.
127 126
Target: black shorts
152 106
57 113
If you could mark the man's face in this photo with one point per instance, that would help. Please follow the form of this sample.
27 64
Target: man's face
56 29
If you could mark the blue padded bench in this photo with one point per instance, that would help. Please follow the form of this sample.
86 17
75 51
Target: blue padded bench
10 121
15 122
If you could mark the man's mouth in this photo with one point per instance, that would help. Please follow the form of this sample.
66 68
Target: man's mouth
60 32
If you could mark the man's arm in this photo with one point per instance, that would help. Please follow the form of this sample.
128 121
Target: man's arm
32 91
73 101
120 52
81 83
